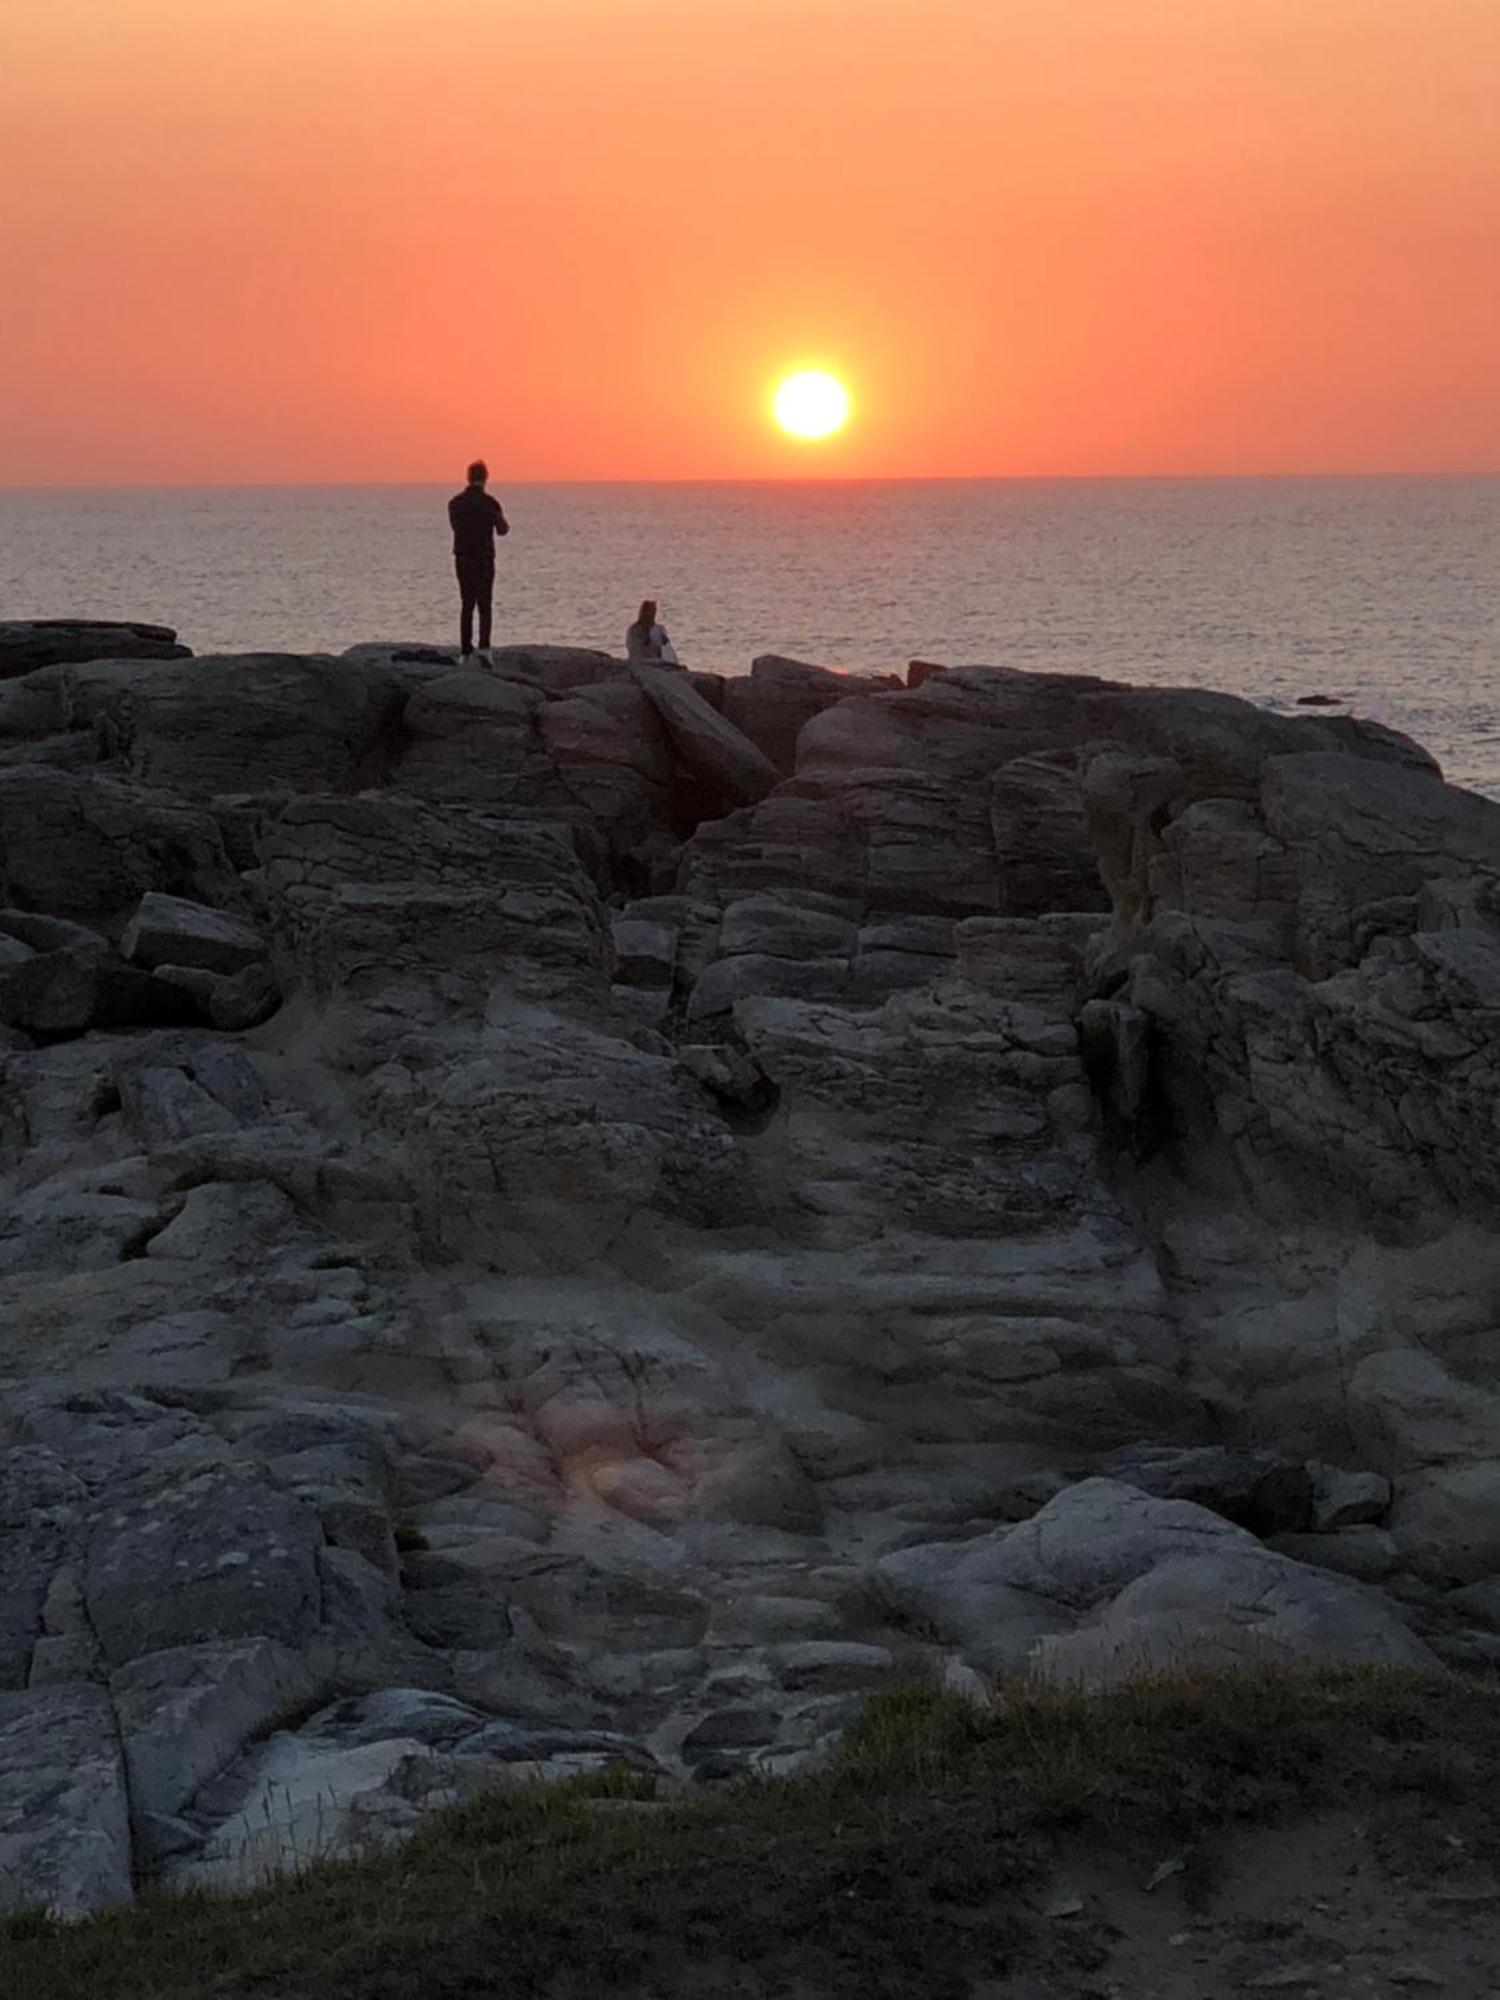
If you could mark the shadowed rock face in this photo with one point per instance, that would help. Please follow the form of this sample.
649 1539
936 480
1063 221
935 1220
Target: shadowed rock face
620 1212
51 642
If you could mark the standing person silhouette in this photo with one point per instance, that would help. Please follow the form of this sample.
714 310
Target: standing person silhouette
476 518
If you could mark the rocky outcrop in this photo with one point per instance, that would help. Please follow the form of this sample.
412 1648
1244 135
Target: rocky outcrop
561 1213
51 642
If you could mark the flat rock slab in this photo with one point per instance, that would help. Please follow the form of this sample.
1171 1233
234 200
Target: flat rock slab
52 642
170 930
711 748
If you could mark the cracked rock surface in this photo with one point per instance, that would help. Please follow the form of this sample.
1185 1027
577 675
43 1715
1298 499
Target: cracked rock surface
552 1215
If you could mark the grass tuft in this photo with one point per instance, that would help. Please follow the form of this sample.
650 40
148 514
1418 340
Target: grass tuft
904 1870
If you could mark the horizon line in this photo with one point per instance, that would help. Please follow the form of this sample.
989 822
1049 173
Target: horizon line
753 479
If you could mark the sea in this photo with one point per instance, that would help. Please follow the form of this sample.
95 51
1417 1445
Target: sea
1380 595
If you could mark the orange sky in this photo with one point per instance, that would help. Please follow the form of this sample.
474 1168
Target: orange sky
362 239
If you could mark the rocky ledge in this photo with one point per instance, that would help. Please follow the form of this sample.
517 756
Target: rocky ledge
570 1213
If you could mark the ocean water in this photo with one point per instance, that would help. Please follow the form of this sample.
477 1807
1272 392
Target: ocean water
1384 593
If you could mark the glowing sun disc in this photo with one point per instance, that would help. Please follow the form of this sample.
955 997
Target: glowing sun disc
811 404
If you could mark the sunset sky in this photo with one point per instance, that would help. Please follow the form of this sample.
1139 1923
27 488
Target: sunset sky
364 239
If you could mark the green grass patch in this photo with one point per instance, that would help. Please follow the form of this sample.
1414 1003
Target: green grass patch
902 1872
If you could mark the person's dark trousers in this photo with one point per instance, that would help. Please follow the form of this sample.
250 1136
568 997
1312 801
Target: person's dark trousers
476 584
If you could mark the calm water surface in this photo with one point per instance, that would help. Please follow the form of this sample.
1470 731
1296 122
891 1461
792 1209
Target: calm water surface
1383 592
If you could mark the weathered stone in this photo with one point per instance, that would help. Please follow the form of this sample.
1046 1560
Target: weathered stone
174 1093
233 1002
1041 836
824 1666
608 754
472 737
771 703
1107 1580
43 1505
369 894
87 845
168 930
1258 1490
1369 1555
1115 1041
44 933
287 722
64 1816
710 747
184 1713
645 952
360 1772
583 1298
559 669
222 1556
82 1230
49 642
59 993
1347 1499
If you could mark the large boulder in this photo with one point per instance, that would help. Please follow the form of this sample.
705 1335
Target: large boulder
1106 1581
771 703
87 845
472 737
170 930
610 758
187 1711
54 994
287 722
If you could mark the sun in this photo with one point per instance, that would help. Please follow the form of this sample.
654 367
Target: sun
811 404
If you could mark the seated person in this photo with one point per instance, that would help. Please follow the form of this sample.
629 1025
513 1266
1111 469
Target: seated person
647 641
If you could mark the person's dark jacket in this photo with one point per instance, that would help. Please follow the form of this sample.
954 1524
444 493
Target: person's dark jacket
476 519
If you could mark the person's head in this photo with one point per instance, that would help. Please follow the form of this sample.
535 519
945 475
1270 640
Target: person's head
479 472
647 616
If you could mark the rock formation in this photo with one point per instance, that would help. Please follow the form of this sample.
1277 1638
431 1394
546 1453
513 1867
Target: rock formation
568 1213
50 642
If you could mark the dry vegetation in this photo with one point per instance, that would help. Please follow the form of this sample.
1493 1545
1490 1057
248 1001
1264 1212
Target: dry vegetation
910 1868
